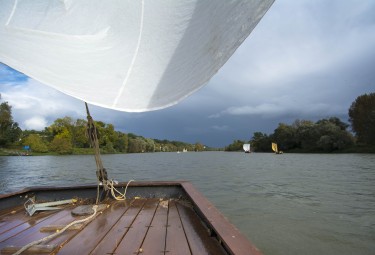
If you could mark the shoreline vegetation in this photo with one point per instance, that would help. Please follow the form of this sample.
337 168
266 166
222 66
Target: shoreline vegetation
66 136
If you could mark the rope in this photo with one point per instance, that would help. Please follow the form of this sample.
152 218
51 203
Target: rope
113 190
101 172
24 248
92 134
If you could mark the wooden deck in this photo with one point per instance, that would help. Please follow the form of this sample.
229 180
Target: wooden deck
134 226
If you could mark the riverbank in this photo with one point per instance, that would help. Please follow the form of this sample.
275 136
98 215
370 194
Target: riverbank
89 151
76 151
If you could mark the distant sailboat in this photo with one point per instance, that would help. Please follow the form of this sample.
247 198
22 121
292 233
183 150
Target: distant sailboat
246 147
275 149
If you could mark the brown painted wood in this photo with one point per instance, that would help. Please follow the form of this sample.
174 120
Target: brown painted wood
176 242
131 230
228 234
110 242
154 242
197 234
7 215
36 249
95 231
9 220
133 239
30 224
32 232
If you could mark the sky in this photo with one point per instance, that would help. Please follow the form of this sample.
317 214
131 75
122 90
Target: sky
306 59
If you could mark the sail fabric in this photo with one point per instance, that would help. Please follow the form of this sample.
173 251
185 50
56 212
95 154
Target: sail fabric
274 147
246 147
129 55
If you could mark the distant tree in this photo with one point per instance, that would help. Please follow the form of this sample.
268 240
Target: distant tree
306 135
121 144
36 143
237 145
10 132
136 145
62 143
260 142
199 147
331 136
285 137
362 118
80 139
150 145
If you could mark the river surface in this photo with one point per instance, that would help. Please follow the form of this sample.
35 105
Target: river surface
285 204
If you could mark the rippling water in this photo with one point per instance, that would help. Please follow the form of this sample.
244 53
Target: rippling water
285 204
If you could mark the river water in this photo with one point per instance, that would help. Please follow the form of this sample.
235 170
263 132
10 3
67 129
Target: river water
285 204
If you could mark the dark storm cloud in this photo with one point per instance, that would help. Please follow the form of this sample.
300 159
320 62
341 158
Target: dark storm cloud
304 60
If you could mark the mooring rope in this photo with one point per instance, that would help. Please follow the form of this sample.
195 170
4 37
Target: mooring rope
101 172
122 196
92 134
27 246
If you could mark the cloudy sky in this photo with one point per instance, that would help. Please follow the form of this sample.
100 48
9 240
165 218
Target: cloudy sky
306 59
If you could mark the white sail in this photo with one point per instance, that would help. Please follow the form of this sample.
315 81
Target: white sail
246 147
130 55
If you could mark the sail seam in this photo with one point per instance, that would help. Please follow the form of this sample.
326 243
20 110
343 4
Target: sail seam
12 13
134 57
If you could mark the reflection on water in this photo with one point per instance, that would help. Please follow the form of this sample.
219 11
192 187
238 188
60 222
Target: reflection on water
286 204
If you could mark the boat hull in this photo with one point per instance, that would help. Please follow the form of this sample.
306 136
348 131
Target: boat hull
203 227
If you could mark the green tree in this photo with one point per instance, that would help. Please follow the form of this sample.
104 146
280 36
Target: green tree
80 139
306 135
199 147
137 145
36 143
332 135
10 132
260 142
62 143
285 137
121 144
237 145
362 118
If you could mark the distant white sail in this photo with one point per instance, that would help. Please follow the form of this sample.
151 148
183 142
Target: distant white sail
130 55
246 147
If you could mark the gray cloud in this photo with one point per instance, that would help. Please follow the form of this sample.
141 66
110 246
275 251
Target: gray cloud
305 60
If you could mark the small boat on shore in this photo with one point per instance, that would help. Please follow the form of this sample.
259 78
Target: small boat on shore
155 218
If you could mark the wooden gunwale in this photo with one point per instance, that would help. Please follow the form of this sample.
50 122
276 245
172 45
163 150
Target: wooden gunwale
204 229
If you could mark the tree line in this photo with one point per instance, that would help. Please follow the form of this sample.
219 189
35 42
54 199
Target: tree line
325 135
68 136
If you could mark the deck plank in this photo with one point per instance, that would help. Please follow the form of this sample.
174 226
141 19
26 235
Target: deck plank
101 224
176 242
154 243
133 239
198 235
9 216
32 232
110 242
13 218
28 223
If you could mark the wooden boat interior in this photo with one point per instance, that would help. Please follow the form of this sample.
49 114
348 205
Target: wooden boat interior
155 218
